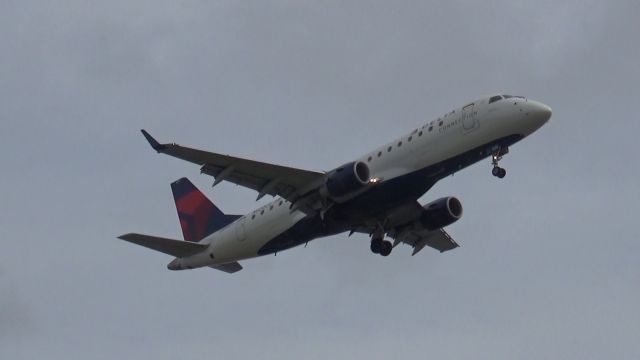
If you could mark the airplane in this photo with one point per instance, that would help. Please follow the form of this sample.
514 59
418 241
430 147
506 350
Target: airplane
376 194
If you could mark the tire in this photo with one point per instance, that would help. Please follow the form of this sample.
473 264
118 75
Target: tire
376 246
386 248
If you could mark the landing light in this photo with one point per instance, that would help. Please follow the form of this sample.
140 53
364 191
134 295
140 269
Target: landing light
374 181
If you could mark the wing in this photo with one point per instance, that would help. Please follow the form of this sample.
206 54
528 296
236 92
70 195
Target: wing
266 179
438 239
404 229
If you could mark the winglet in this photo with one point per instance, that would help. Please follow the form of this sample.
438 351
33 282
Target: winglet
153 142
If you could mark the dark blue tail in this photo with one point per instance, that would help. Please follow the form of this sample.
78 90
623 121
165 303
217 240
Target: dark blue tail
198 216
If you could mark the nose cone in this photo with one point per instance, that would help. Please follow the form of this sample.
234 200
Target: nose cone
174 265
540 112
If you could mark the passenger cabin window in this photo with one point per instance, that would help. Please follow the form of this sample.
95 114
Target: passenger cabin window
494 98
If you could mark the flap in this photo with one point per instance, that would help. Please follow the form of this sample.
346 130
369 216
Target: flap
438 239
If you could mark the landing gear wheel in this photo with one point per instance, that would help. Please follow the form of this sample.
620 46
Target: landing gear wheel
502 173
376 246
498 172
386 248
496 156
377 239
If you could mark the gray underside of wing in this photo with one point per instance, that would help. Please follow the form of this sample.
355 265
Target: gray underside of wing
438 239
402 221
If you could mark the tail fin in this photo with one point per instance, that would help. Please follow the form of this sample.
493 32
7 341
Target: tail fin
198 216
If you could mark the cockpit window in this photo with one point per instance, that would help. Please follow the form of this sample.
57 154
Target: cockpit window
500 97
495 98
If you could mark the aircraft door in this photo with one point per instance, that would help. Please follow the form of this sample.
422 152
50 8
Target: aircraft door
241 233
469 119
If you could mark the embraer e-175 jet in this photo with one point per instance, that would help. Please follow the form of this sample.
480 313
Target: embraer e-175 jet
376 194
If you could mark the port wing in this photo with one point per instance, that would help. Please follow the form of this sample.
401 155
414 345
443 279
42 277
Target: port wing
265 178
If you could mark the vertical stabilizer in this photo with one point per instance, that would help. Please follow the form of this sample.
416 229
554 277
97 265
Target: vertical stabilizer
199 217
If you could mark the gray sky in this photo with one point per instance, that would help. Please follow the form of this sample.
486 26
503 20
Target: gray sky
549 263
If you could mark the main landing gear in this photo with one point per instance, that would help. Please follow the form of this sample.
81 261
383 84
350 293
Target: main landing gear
496 156
379 245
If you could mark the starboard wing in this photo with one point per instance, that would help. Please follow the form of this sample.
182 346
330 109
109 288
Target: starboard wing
438 239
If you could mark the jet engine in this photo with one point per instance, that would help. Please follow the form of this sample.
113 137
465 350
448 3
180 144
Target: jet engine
440 213
345 180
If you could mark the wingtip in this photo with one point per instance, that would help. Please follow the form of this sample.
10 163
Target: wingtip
125 236
153 142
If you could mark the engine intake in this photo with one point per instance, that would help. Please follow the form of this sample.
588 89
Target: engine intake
440 213
346 180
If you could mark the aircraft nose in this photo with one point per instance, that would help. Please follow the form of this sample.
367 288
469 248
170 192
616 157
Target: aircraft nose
174 265
540 111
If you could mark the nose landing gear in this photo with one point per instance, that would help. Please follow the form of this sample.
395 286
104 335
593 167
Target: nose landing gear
496 156
498 172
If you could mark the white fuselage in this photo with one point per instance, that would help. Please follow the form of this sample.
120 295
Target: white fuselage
452 134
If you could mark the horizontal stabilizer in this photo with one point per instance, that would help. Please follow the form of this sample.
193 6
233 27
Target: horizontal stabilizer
229 267
172 247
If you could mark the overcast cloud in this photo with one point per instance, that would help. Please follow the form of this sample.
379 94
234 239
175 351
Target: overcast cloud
549 263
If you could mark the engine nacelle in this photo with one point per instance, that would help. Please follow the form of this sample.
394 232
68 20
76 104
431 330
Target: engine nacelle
440 213
346 180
